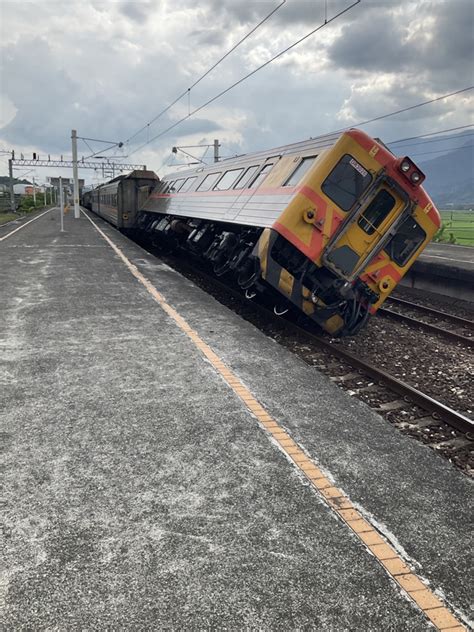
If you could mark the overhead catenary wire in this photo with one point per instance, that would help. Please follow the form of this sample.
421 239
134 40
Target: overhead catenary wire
407 109
248 75
443 151
441 139
208 71
441 131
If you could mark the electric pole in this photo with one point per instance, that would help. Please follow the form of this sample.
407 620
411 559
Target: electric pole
34 192
216 150
75 174
12 190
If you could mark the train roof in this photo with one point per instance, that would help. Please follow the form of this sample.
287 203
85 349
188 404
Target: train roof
305 146
133 175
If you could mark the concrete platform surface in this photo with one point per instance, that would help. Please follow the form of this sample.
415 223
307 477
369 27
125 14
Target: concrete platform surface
142 494
446 269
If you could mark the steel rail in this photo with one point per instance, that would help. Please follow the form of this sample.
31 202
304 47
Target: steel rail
452 335
462 322
437 409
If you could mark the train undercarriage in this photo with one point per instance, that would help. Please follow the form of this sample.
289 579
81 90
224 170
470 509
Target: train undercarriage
263 262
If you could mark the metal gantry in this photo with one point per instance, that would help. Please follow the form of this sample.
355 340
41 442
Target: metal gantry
73 164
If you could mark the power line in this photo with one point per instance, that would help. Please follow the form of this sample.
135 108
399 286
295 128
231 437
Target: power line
250 74
207 72
411 107
436 140
443 151
442 131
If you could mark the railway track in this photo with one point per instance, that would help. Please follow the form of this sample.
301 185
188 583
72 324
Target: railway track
455 321
433 413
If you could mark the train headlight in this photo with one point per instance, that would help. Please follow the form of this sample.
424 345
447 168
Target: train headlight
415 177
405 166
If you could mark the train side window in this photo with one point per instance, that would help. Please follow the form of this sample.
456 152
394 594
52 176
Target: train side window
300 171
405 242
346 182
244 179
176 186
188 184
376 211
228 179
261 176
208 182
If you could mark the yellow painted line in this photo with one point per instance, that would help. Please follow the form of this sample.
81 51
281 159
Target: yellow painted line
379 547
25 224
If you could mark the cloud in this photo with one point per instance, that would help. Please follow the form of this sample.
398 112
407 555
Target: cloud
106 69
136 10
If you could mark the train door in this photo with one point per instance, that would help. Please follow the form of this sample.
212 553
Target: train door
359 236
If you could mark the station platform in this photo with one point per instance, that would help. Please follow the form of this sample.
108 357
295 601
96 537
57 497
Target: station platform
446 269
167 466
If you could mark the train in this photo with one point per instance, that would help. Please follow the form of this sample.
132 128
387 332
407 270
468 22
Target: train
327 226
117 201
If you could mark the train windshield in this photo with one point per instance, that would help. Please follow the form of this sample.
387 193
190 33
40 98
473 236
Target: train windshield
346 182
405 242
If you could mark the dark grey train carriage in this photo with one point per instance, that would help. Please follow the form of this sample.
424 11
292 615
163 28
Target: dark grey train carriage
117 201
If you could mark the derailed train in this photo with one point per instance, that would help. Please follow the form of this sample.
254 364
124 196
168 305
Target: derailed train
328 226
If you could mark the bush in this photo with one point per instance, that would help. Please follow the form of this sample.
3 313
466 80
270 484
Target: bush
27 203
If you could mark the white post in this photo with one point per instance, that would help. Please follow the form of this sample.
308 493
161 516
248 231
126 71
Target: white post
75 174
34 192
12 190
61 203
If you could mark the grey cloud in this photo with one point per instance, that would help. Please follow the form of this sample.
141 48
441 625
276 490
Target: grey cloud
373 44
136 10
210 37
377 42
306 12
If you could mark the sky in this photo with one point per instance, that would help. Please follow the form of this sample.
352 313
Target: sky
108 68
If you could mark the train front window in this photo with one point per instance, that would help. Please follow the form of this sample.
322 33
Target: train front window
300 171
405 242
376 211
346 182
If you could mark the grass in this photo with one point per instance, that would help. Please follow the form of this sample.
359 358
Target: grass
7 217
457 228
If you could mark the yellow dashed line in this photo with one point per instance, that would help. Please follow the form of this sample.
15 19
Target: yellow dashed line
389 559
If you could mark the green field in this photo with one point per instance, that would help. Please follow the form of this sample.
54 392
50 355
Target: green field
458 227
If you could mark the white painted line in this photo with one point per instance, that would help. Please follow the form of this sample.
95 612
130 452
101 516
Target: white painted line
449 258
26 224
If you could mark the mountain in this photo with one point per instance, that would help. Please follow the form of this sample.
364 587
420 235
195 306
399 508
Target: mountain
450 177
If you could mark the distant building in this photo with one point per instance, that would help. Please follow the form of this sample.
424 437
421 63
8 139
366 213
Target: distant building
26 189
68 183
